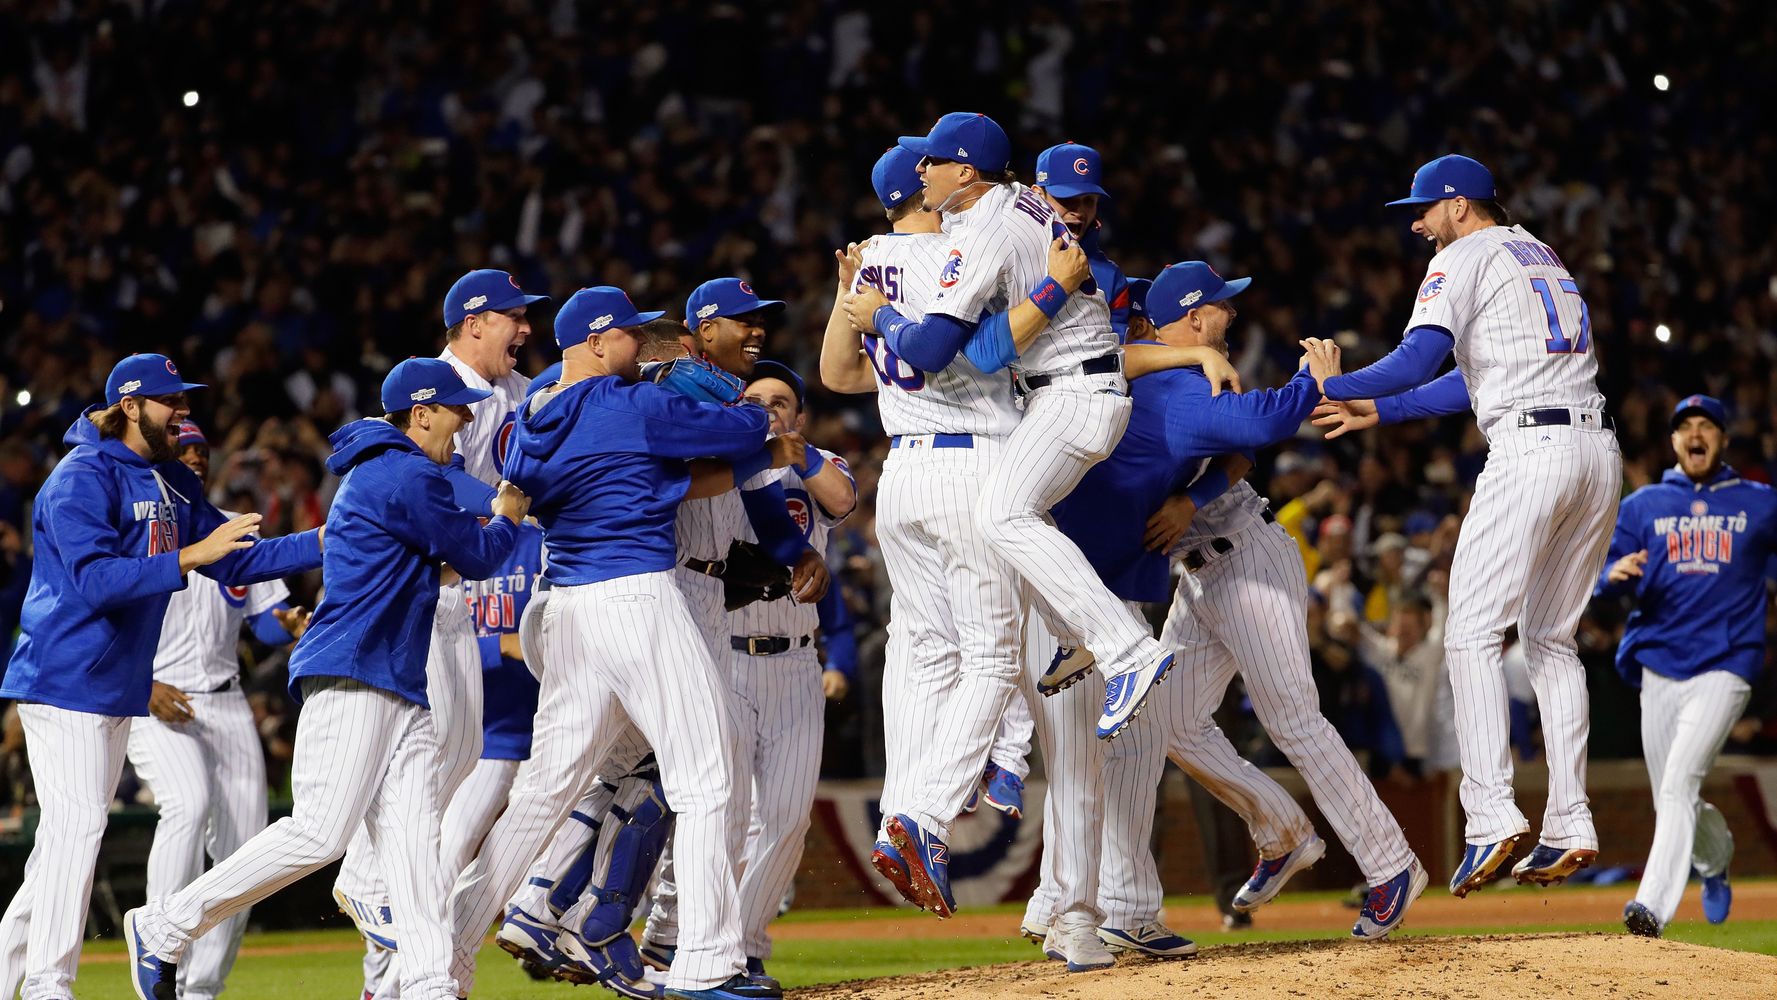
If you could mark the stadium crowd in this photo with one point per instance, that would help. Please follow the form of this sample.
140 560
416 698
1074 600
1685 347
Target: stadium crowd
278 195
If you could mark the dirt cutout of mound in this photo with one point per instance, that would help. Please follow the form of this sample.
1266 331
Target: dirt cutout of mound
1495 967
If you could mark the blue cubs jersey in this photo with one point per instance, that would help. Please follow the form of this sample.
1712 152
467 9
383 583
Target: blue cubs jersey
1700 599
509 690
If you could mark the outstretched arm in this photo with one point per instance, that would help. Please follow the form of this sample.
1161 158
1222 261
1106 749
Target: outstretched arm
1408 366
844 367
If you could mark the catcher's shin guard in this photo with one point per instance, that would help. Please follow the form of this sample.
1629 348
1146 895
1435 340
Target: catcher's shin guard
627 856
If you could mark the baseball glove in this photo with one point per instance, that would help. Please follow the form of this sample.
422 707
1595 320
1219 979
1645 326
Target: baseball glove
695 378
749 575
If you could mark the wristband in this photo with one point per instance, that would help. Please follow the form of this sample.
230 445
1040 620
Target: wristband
746 468
1049 297
812 460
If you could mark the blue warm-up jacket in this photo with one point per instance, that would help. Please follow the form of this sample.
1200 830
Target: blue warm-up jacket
108 527
393 523
604 463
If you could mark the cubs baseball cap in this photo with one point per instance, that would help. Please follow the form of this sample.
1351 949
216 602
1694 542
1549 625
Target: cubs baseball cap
191 434
725 297
145 375
896 176
480 291
1070 170
1138 295
963 137
427 380
1709 406
780 371
1447 177
595 310
1185 286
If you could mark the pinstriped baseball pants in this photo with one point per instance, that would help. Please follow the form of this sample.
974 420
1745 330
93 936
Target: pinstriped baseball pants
1531 546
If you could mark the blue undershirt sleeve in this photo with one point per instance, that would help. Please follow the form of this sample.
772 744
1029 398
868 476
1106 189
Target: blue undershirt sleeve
1442 395
929 345
1408 366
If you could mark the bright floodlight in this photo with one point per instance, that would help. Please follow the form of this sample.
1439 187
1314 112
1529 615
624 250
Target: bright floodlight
1662 333
191 98
1660 81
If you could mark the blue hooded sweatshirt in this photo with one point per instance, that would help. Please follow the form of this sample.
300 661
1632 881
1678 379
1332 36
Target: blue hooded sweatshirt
108 527
393 522
604 463
1700 600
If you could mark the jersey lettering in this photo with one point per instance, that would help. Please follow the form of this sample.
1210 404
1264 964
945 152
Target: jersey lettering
1558 342
890 369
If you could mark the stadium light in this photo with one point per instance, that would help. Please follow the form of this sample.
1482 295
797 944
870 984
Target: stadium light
1661 83
1662 333
24 397
191 98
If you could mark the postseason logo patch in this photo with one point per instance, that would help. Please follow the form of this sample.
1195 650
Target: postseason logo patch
953 270
1434 284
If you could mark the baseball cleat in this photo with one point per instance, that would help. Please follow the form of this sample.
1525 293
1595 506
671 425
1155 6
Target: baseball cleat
1551 865
1005 791
1125 694
375 923
1073 939
616 965
1155 939
756 972
659 956
1033 931
536 945
152 977
1481 864
1640 920
1070 666
888 861
1386 906
1718 897
737 988
1270 875
928 865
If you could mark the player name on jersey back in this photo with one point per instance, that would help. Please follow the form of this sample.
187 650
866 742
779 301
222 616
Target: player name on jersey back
907 269
1001 253
1522 330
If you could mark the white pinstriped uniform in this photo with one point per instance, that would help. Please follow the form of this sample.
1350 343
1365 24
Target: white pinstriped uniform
208 774
618 651
1069 425
1684 724
954 619
1540 522
781 716
482 442
1011 743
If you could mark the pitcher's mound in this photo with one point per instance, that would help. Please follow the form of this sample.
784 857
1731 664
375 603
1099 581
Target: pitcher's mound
1503 967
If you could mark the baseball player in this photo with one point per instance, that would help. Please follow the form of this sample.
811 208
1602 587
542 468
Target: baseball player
198 751
109 529
1537 530
366 750
1692 549
1071 176
485 324
606 455
775 671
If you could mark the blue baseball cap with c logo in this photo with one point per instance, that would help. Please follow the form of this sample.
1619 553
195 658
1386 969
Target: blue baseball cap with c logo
418 381
964 137
1070 170
482 291
1709 406
145 375
598 309
1186 286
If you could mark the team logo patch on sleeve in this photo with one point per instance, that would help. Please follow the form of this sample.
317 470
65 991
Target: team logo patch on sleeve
1434 283
953 270
235 596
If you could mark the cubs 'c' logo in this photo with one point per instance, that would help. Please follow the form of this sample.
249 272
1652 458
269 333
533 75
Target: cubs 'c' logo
1081 167
1699 507
171 370
235 596
953 270
747 288
1434 283
503 439
514 282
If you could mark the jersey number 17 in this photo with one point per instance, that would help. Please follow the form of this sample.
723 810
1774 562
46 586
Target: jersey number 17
1558 342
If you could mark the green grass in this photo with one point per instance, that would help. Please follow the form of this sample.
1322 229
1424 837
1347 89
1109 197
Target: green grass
334 974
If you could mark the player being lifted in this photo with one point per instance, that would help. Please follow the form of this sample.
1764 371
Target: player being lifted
1536 532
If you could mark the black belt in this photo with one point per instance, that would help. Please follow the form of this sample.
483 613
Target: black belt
227 685
1195 558
1558 415
708 567
1104 364
768 645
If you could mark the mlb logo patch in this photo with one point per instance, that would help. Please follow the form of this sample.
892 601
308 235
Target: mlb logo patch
1434 283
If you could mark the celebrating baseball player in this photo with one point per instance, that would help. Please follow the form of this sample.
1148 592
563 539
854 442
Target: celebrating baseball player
198 750
1071 176
606 455
1693 550
365 746
109 528
1537 530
